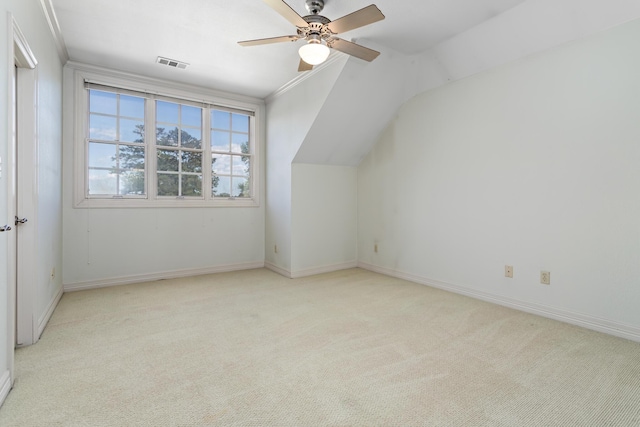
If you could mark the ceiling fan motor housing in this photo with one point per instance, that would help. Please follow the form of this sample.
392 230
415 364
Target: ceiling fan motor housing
317 26
315 6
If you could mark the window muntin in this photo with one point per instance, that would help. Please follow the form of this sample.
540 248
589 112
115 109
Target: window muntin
116 148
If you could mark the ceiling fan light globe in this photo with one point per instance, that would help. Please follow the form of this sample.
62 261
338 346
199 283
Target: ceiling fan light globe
314 53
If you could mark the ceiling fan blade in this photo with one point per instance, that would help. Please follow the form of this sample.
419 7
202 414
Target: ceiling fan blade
357 19
304 66
269 40
287 12
353 49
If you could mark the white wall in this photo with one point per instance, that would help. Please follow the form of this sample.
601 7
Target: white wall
324 218
290 115
49 178
329 119
533 164
116 246
47 193
341 126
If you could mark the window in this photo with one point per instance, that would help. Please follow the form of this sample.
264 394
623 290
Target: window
179 150
230 154
116 145
146 149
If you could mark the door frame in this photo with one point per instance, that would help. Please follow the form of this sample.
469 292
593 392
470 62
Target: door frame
21 56
26 189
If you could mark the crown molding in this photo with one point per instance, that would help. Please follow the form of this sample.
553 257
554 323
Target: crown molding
54 26
158 86
335 57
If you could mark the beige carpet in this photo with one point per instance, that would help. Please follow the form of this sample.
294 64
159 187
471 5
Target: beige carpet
342 349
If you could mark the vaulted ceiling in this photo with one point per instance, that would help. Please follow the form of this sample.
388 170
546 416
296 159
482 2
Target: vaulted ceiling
129 35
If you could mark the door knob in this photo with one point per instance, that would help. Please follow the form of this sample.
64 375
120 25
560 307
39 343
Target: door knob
20 221
5 228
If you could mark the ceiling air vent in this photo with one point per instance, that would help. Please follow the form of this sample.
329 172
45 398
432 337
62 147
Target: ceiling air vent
171 62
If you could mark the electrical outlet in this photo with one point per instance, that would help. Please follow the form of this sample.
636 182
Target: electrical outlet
508 271
375 247
545 277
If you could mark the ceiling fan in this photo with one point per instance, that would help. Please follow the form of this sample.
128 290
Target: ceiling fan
320 32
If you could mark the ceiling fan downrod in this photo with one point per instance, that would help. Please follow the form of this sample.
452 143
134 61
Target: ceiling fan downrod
315 6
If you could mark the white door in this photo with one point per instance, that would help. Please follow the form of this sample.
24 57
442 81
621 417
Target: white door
22 279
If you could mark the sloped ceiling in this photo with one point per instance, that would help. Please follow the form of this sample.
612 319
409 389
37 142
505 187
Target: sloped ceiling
357 109
366 96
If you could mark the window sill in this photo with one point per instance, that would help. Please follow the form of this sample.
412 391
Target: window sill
118 203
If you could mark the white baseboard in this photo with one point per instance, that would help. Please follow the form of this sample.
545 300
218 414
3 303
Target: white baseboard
173 274
276 269
310 271
323 269
5 386
44 319
585 321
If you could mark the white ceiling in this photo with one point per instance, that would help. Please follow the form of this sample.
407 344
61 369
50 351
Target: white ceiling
129 35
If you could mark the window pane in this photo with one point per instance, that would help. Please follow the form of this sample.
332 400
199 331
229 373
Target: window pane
102 155
221 164
167 185
220 120
131 106
191 185
131 130
221 186
131 183
131 157
191 138
102 182
191 161
245 166
167 112
239 167
240 123
220 140
240 187
240 143
167 137
103 102
102 127
168 160
191 116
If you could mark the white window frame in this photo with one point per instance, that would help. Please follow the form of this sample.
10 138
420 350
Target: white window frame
173 92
